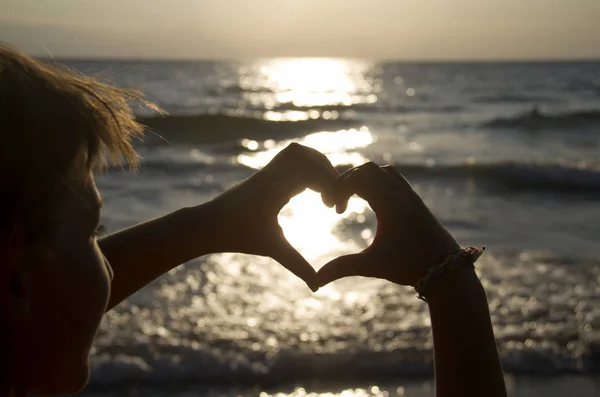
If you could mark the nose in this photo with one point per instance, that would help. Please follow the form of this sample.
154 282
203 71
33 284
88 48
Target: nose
109 270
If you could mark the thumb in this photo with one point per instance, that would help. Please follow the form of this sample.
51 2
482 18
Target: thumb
343 266
291 259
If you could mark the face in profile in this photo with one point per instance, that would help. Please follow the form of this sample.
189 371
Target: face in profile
64 285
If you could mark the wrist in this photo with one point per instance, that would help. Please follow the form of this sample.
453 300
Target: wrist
462 258
431 256
460 286
204 222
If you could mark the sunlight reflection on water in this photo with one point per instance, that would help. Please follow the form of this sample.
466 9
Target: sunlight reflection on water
310 82
373 391
309 226
338 146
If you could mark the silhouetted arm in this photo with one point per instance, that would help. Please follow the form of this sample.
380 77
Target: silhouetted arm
408 242
142 253
466 358
243 219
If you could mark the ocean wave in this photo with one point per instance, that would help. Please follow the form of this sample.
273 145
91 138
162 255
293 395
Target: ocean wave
189 366
535 120
287 117
513 98
237 90
556 178
377 107
514 176
205 128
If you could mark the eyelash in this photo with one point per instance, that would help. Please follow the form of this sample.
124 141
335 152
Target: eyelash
100 230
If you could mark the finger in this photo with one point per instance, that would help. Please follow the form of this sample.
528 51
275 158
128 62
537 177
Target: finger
343 266
396 175
346 173
368 181
328 199
305 167
328 194
327 186
321 158
343 195
291 259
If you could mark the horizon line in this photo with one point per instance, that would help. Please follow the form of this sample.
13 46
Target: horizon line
378 60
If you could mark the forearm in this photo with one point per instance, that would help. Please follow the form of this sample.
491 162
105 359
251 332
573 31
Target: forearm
466 357
142 253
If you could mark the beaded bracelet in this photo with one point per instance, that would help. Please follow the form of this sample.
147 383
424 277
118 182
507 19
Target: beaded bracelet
465 257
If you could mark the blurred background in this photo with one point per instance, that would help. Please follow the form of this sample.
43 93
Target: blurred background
491 110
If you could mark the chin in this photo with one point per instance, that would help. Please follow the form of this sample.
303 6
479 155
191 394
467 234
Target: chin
64 380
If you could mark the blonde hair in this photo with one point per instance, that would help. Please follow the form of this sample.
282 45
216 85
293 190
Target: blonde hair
53 122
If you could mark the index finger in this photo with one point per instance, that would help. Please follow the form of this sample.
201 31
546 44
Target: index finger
292 260
303 167
368 181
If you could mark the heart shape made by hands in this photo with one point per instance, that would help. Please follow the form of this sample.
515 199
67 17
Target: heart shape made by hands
320 234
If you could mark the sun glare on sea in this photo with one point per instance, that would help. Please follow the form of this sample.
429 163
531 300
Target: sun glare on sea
308 225
313 82
340 147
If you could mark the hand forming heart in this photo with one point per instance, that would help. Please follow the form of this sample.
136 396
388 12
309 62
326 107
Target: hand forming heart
409 238
408 241
248 211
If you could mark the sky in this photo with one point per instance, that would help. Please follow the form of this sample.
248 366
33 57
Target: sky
377 29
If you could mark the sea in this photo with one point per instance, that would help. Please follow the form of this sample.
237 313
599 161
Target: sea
507 155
